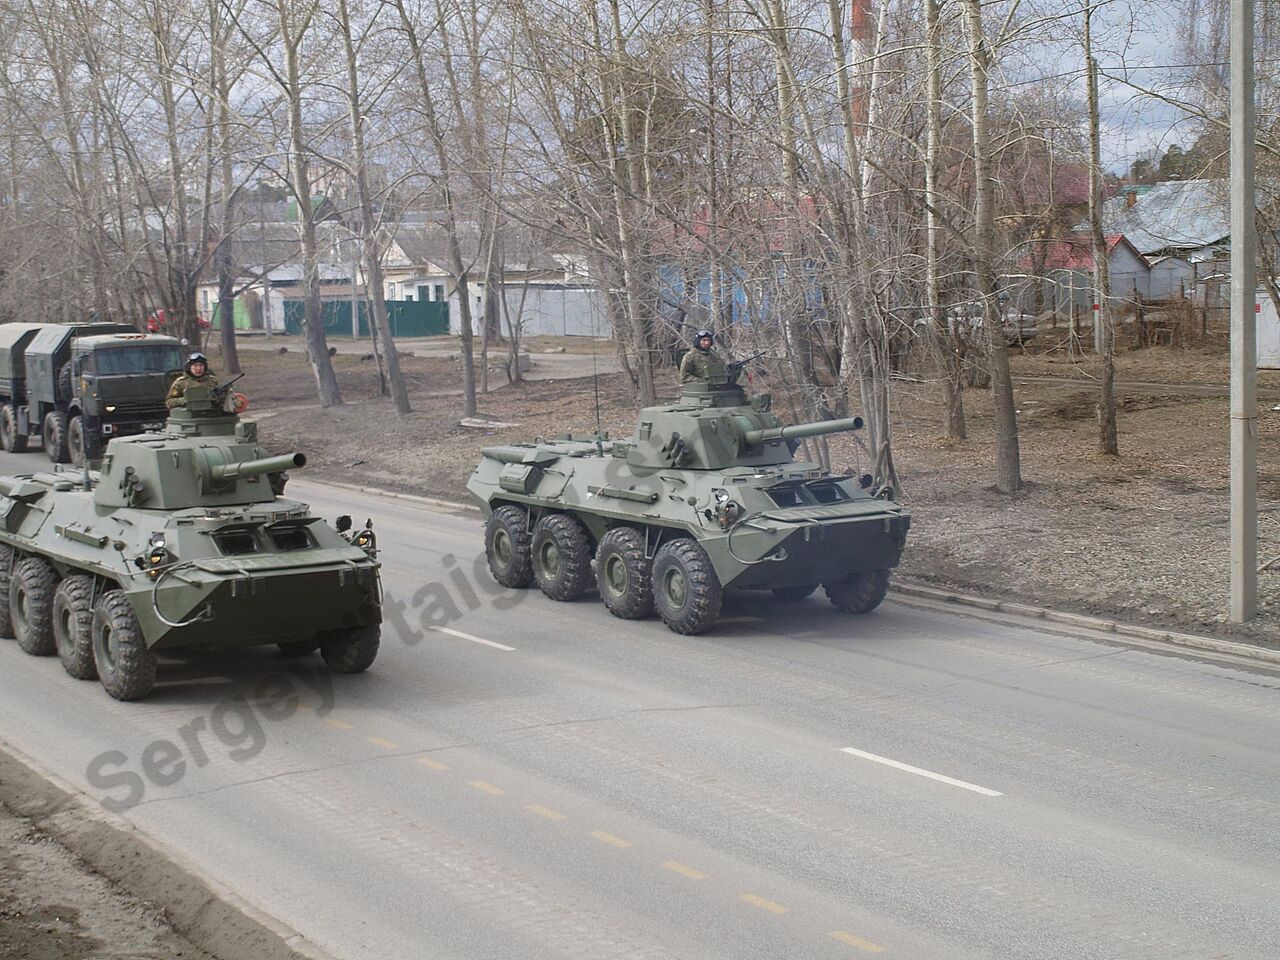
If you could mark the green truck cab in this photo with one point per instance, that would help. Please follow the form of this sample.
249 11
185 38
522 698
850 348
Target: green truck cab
76 386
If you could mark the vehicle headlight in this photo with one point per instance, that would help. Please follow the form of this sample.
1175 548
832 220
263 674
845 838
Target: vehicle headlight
110 408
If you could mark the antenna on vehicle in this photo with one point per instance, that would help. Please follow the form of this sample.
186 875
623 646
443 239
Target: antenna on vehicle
595 382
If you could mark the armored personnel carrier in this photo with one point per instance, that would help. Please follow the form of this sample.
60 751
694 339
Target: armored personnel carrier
180 541
706 495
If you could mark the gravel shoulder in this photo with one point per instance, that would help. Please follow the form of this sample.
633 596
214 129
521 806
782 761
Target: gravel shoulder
53 907
1141 538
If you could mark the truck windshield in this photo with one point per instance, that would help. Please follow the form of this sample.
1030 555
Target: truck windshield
137 359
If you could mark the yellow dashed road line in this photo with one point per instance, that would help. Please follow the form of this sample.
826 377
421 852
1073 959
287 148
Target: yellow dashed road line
684 871
610 839
431 764
384 744
542 811
855 941
763 904
337 724
488 788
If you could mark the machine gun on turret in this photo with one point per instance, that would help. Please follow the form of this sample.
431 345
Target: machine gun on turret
736 366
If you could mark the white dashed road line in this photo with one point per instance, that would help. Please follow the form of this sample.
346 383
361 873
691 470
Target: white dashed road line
898 765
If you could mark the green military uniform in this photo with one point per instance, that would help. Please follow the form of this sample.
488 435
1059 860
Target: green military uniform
177 392
704 365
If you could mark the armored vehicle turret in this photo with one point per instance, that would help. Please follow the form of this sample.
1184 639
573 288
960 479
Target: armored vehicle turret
706 495
181 540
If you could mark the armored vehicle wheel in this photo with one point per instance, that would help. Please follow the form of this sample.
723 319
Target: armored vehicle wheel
298 648
686 590
792 594
351 651
31 606
858 592
75 441
6 572
55 437
624 574
126 667
73 626
10 438
561 557
506 544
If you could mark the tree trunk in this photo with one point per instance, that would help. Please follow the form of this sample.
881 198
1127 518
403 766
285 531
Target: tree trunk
945 343
383 341
313 322
1108 440
1008 461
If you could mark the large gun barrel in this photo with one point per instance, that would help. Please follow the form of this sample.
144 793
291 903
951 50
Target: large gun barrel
798 431
232 471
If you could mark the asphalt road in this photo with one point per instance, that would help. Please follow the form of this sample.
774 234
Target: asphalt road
539 780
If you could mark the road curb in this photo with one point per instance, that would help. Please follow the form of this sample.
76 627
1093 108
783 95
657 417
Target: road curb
438 503
1082 621
198 906
1076 621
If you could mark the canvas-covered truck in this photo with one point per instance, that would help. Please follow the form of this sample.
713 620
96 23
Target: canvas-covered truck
78 385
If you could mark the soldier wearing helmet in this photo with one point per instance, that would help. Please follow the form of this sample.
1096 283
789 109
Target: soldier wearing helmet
702 363
196 372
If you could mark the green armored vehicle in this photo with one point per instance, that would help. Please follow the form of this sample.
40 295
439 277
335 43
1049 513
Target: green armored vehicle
179 542
706 495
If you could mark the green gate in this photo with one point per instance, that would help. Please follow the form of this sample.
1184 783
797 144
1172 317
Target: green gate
408 318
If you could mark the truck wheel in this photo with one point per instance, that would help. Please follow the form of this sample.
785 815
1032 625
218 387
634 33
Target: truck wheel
792 594
73 626
858 592
55 436
686 590
7 559
353 650
31 606
126 667
506 544
561 557
624 574
10 438
75 441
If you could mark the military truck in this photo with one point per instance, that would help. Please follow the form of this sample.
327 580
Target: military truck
179 542
706 495
78 385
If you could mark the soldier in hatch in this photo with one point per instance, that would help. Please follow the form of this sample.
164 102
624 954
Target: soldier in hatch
196 373
703 363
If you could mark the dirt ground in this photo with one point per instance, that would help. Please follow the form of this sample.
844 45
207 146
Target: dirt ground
1142 537
53 908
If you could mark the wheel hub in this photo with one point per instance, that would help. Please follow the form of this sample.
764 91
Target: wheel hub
502 548
549 556
615 573
676 588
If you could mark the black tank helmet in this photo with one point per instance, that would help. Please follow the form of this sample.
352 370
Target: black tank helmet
195 358
704 335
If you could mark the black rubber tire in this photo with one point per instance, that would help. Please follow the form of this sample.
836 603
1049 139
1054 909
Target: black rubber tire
686 591
299 648
55 436
75 441
794 594
624 575
73 626
10 439
7 560
126 667
353 650
858 592
506 546
65 388
31 590
561 557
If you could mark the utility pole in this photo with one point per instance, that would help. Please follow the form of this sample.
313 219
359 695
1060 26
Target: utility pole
1244 324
